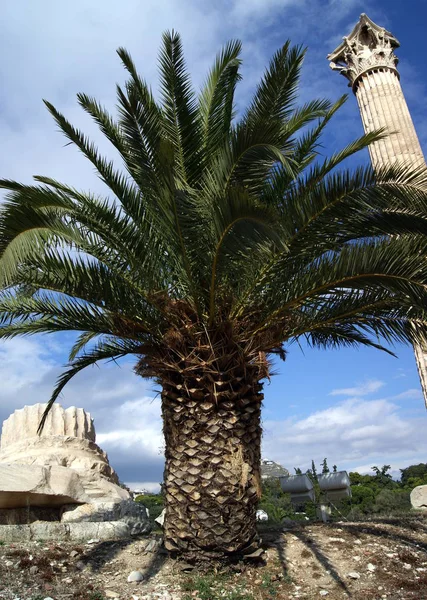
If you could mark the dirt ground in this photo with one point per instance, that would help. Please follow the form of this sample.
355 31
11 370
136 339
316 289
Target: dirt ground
368 561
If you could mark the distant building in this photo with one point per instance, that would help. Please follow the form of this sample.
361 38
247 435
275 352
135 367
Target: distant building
269 468
136 493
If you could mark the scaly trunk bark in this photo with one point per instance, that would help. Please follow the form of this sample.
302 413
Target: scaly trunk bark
212 472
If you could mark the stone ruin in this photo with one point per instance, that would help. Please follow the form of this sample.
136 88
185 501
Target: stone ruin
60 483
419 497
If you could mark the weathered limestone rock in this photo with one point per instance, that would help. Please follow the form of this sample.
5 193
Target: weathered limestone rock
419 497
23 424
79 532
113 530
100 489
39 486
127 511
67 440
62 471
81 455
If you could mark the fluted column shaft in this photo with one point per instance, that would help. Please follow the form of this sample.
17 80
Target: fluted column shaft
383 105
367 60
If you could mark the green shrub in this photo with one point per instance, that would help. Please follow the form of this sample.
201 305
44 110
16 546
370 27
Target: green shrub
414 475
363 498
389 501
276 504
154 503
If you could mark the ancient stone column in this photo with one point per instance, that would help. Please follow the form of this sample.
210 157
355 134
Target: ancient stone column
366 58
67 440
23 424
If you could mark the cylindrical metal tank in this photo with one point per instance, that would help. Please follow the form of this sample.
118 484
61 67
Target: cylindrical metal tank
302 498
334 481
296 484
336 495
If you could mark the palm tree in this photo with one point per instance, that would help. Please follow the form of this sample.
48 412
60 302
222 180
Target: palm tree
224 238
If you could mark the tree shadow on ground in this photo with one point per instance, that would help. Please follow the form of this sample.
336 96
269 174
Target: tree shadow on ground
101 554
98 555
412 524
280 546
274 538
381 530
279 542
323 559
156 563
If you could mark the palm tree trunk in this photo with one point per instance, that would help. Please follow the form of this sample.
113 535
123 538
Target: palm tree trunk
212 472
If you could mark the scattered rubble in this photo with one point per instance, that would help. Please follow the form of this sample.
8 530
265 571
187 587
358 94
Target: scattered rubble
308 562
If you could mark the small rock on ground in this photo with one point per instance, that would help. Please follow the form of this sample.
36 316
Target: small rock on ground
135 576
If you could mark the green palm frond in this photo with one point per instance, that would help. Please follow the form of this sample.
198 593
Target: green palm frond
223 227
308 142
180 110
389 265
216 102
277 92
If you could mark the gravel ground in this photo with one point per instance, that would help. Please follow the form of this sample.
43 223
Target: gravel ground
382 559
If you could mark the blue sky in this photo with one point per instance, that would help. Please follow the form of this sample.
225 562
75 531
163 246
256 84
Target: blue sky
357 407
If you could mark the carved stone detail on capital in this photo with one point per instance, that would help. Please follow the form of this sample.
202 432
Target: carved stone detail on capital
367 47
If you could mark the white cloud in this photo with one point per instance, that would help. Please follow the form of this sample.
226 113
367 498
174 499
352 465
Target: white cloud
411 394
248 9
364 389
137 428
348 434
44 59
23 363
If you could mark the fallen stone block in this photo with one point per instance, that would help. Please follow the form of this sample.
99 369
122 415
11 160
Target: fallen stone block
78 532
43 530
62 468
15 533
25 485
114 530
134 515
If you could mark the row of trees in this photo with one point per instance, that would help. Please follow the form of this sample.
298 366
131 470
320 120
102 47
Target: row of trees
380 493
372 494
376 494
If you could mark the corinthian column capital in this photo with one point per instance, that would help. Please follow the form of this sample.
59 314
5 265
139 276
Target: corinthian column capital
368 47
